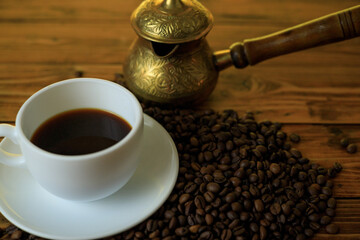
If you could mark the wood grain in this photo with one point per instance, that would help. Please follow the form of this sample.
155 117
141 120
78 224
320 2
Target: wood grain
319 84
315 93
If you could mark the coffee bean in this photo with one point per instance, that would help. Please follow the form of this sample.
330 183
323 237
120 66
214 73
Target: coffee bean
275 208
303 160
169 214
298 185
235 181
240 173
208 156
330 212
321 179
331 172
300 237
275 168
286 208
154 234
344 142
209 196
230 197
301 205
189 206
191 219
253 177
294 138
322 206
226 234
248 204
326 191
208 178
151 225
254 191
213 187
207 235
281 135
244 216
173 222
194 228
296 153
200 211
239 231
338 167
236 206
302 176
332 228
139 234
209 219
202 187
244 163
16 234
323 196
314 217
232 215
314 189
325 220
331 203
234 223
314 226
182 220
321 170
351 148
259 206
199 202
194 141
195 166
308 232
181 231
216 203
216 128
254 227
263 233
229 145
184 198
266 198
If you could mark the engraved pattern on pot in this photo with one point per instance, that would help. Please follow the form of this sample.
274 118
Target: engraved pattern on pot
163 78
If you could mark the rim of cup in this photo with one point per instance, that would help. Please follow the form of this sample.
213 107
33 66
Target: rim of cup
134 126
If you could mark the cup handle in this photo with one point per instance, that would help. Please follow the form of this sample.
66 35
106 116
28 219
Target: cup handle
7 158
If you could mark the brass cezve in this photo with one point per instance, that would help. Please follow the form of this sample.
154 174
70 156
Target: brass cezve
171 62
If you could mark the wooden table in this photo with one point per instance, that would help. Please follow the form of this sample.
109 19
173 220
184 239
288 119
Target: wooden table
315 93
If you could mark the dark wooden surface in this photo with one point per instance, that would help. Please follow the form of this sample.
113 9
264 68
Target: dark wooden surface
315 93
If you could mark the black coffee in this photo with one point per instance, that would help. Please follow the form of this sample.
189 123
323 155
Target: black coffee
80 131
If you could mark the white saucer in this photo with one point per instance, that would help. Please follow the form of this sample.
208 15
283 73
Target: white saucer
28 206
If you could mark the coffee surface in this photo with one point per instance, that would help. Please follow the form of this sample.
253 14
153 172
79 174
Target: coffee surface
80 131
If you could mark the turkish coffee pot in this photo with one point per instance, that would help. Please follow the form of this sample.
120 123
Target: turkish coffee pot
171 62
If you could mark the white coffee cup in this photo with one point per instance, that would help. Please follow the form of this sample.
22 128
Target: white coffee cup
84 177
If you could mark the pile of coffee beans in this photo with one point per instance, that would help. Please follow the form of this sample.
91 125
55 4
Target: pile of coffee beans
239 179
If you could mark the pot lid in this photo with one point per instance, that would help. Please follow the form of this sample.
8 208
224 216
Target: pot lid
171 21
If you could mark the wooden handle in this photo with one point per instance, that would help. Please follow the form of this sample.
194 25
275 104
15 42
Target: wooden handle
328 29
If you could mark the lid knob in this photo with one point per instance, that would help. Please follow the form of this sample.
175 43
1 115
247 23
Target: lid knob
172 4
